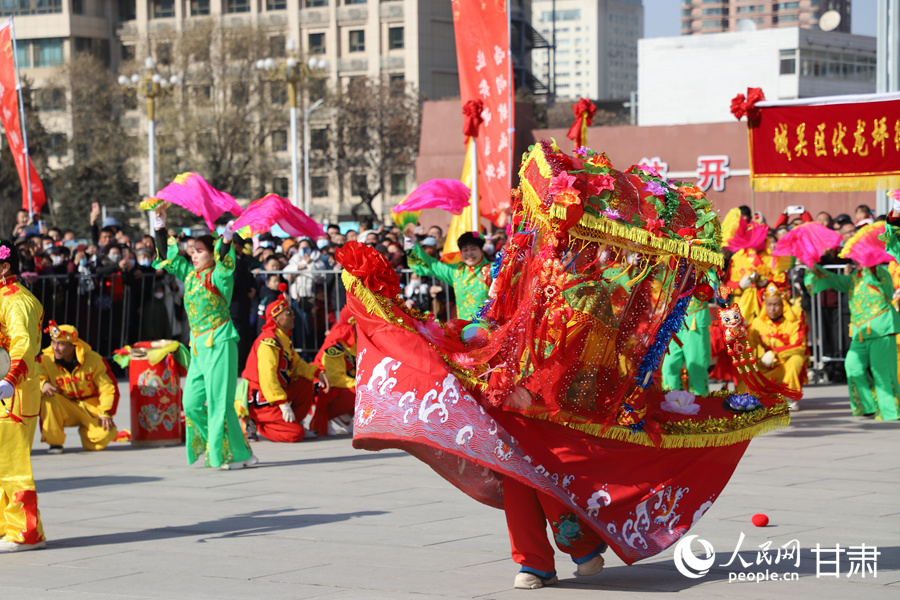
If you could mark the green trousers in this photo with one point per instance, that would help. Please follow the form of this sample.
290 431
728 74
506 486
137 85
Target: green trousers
212 424
694 353
871 368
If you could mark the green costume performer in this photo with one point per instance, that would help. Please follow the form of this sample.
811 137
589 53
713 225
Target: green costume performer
212 424
468 282
872 358
694 351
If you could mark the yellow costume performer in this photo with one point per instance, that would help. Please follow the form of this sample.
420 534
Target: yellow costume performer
78 389
779 339
20 334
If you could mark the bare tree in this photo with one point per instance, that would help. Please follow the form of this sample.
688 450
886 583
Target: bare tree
375 134
222 122
102 168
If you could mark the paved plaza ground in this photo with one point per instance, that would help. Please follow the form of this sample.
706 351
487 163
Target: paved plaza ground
322 520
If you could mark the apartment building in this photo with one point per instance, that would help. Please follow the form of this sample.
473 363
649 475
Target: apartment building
408 41
594 51
714 16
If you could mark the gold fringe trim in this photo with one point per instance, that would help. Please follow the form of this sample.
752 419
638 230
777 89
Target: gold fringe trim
382 307
603 230
688 434
831 183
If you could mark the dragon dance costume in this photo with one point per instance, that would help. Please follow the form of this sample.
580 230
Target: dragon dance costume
21 316
212 425
553 390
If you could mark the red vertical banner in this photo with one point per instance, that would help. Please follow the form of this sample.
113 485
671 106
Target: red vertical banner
485 73
9 117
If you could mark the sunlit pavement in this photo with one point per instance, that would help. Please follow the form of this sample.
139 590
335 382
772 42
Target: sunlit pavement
319 519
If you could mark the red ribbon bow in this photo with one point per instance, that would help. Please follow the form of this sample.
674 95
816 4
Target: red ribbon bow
741 106
472 117
586 108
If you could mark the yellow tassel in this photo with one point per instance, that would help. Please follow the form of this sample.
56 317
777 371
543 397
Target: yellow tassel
209 340
694 324
194 348
678 440
843 183
869 328
603 230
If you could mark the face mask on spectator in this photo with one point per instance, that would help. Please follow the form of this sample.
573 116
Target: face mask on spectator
48 247
322 244
158 295
57 260
305 251
144 262
114 257
265 244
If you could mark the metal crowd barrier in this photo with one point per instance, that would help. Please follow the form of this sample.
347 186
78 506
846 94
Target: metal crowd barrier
116 310
112 311
828 321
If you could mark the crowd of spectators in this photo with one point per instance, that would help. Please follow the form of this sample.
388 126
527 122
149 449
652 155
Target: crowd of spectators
108 288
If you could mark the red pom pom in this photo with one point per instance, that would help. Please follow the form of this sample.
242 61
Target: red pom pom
282 287
760 520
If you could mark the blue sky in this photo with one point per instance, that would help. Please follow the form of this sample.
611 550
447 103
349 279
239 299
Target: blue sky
662 18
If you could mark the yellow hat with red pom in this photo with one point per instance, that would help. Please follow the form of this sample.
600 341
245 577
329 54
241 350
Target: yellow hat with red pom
61 333
279 305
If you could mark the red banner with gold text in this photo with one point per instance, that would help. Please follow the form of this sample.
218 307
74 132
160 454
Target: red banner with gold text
827 145
9 117
485 73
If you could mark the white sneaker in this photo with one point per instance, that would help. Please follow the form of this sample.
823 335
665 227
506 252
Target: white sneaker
794 406
530 581
341 425
55 450
8 546
591 567
250 462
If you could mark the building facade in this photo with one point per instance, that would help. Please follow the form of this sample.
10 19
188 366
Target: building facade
594 53
407 41
714 16
692 79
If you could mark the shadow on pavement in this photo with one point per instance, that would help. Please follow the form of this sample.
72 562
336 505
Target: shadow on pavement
236 526
72 483
333 459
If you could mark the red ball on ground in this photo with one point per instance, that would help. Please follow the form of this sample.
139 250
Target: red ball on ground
760 520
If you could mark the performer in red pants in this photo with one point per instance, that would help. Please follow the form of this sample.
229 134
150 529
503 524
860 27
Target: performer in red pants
527 514
281 390
337 357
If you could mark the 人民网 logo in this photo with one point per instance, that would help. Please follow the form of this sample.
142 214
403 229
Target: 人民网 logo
690 565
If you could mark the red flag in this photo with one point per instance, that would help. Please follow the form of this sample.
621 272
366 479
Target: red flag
9 116
485 74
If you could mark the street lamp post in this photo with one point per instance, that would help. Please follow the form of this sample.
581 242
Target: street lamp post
307 188
292 72
151 86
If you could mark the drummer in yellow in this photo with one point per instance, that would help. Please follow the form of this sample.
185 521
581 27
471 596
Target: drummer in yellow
78 389
20 403
779 338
